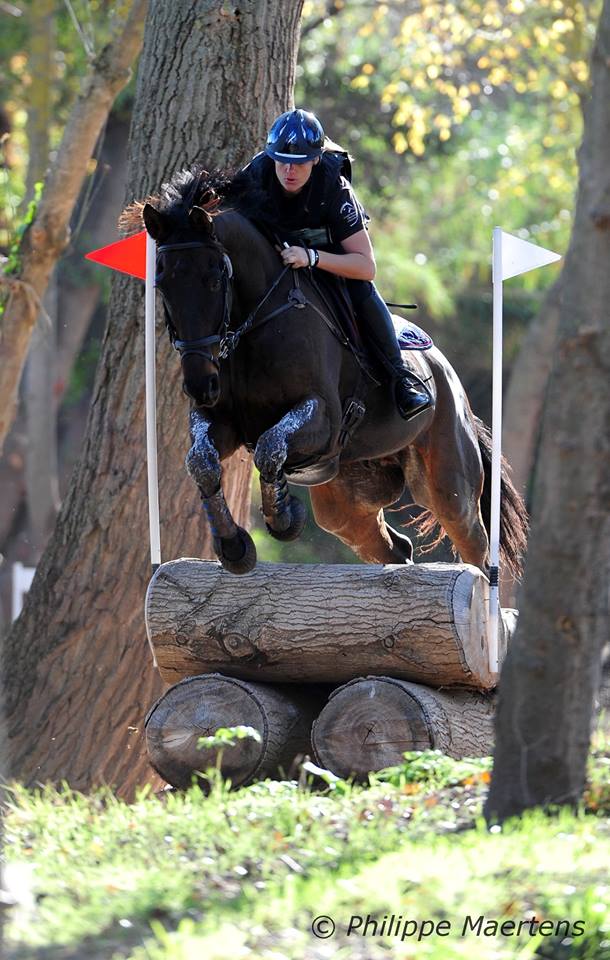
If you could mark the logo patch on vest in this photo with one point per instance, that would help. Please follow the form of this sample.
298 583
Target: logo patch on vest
349 213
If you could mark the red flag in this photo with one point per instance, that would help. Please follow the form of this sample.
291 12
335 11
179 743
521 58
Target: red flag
126 256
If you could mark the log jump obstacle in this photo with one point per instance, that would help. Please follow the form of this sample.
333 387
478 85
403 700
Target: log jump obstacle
352 654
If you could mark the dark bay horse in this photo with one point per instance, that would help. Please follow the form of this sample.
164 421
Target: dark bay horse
264 369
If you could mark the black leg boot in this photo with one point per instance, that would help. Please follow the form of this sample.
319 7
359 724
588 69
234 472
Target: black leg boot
378 329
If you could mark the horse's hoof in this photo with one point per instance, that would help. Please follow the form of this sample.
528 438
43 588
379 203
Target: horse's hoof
237 554
298 519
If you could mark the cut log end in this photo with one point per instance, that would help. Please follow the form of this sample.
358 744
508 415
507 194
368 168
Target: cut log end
368 724
198 706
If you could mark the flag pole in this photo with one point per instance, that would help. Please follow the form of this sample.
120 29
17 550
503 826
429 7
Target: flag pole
496 453
151 405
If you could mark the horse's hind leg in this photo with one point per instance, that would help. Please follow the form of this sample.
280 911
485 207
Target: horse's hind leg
351 508
445 475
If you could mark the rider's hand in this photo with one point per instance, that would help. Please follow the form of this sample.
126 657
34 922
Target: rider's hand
294 257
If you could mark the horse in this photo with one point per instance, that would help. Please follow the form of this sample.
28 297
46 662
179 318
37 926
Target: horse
265 367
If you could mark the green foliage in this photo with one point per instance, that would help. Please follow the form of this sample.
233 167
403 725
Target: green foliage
184 874
434 769
12 267
228 737
460 118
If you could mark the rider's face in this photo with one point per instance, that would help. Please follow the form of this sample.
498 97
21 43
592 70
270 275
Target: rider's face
294 176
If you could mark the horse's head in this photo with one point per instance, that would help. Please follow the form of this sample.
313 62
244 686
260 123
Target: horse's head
194 277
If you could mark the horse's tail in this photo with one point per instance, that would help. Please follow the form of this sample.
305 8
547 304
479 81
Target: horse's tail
514 523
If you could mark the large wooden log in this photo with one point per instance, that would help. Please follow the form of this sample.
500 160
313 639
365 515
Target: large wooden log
301 623
369 723
199 706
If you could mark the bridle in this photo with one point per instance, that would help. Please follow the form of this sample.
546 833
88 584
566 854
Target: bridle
228 339
197 347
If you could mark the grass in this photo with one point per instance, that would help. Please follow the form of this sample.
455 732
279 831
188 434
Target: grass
243 874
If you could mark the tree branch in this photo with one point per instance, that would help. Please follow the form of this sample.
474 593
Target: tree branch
48 235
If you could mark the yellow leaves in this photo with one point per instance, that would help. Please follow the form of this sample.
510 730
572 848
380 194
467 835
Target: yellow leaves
558 90
400 142
366 30
516 6
368 69
498 76
580 70
444 134
360 82
562 26
432 71
483 63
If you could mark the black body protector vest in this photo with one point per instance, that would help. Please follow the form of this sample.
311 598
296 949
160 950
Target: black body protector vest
303 219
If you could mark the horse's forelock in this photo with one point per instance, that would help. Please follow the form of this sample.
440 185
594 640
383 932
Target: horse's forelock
190 187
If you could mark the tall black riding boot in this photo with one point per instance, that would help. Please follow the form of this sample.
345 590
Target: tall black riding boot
378 329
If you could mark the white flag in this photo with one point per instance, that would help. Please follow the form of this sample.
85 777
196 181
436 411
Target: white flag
518 256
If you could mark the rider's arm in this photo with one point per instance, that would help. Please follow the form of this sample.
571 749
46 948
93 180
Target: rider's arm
357 263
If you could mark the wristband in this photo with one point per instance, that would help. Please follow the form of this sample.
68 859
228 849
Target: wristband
314 257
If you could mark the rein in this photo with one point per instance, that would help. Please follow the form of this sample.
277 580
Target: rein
229 339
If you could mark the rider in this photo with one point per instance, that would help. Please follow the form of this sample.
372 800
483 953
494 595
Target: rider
313 204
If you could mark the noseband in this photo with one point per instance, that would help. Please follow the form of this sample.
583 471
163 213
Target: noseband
197 347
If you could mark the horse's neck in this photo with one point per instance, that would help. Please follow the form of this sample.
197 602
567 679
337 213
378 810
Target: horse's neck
255 263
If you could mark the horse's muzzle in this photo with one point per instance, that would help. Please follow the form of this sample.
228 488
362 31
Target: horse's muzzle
206 393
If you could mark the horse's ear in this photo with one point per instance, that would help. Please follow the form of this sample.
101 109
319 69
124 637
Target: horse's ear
154 222
201 220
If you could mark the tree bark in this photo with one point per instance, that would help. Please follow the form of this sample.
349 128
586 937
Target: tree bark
526 392
48 235
552 670
369 723
199 706
301 623
78 674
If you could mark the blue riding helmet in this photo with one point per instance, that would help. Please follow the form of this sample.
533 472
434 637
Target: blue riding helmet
295 137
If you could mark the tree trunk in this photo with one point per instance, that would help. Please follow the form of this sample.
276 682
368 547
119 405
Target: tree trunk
369 723
48 235
78 673
526 392
78 298
41 473
199 706
552 670
302 623
42 468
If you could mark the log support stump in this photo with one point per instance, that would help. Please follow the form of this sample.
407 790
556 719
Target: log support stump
369 723
198 706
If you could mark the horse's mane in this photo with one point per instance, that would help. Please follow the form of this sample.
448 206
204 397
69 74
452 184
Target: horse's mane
195 186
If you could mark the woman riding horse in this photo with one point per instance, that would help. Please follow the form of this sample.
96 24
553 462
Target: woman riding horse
266 367
313 207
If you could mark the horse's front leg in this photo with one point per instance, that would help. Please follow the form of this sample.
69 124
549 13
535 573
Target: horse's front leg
233 545
301 431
